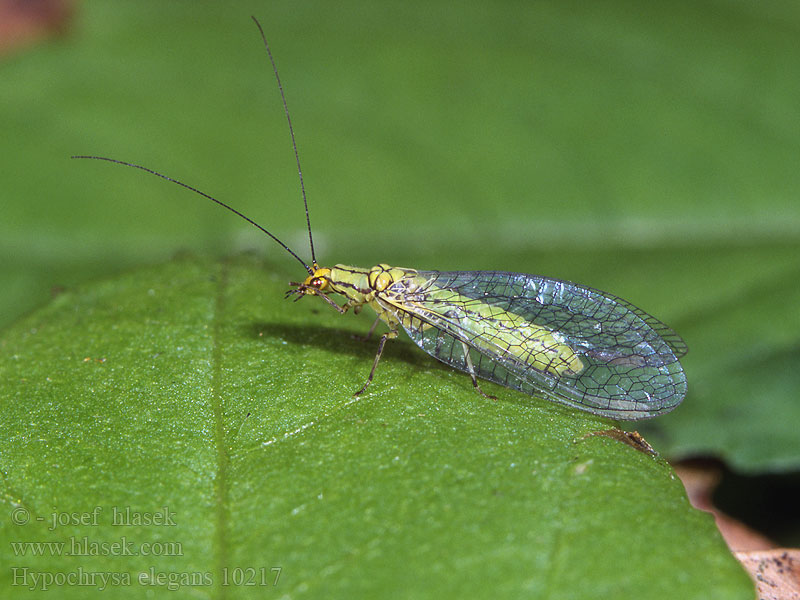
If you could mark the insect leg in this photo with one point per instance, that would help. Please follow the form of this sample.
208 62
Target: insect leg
384 337
471 371
341 309
364 338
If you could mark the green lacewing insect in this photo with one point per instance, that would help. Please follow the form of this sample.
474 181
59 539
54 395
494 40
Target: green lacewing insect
568 343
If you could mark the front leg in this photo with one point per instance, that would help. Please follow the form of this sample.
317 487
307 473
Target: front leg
342 309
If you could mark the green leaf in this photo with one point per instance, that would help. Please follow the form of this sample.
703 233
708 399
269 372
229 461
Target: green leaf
744 349
193 391
649 153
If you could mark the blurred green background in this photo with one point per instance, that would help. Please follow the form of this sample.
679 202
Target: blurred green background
647 149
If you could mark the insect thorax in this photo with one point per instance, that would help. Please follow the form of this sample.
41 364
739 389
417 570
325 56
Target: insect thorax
360 285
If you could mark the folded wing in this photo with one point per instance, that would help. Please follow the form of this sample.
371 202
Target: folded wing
569 343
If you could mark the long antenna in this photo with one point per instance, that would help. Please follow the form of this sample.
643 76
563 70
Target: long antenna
196 191
291 132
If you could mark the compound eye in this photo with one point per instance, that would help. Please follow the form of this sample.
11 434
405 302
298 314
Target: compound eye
318 280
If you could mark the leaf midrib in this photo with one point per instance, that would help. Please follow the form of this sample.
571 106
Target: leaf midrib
221 487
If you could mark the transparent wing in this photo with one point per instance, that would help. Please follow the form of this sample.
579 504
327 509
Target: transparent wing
629 360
